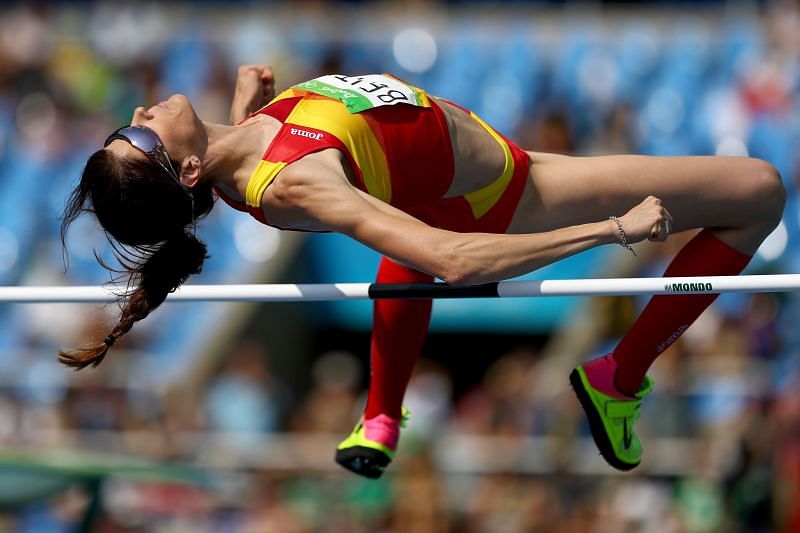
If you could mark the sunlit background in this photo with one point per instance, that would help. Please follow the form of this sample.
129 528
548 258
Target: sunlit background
225 417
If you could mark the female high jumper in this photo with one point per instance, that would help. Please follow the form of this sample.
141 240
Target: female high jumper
440 194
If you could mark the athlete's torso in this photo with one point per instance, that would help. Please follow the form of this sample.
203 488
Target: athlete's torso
422 155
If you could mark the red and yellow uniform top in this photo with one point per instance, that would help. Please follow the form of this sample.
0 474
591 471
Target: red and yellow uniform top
397 143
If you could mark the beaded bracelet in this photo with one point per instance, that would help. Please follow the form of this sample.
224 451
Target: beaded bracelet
623 237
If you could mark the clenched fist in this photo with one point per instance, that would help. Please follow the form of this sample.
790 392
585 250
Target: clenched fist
255 87
649 220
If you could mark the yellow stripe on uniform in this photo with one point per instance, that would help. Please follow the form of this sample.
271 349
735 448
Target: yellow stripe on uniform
354 132
483 199
262 176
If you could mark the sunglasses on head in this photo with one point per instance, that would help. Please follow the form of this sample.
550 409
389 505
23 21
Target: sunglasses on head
149 143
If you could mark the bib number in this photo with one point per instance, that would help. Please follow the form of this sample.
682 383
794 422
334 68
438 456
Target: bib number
359 93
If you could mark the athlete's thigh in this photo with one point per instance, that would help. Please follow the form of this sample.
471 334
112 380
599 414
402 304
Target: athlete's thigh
697 191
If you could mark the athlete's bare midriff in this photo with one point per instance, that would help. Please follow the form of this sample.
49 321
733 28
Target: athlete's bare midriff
478 158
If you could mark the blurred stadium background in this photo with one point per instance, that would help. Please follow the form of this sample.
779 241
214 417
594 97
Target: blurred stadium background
224 417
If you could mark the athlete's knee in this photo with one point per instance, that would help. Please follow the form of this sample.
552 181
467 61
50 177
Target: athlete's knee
768 192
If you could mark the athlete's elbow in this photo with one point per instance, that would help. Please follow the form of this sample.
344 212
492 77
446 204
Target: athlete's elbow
457 266
467 278
453 278
451 269
458 271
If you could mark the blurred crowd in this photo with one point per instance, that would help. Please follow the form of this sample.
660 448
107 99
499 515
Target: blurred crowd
241 447
721 433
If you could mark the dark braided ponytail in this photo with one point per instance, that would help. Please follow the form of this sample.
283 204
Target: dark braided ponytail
147 214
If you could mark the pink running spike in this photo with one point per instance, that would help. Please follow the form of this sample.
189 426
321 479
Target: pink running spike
601 372
383 429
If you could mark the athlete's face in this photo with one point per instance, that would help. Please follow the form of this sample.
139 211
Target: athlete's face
178 126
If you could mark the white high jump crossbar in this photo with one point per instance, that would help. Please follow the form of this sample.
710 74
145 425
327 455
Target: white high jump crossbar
372 291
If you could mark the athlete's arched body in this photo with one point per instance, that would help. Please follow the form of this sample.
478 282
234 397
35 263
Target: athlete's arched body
439 194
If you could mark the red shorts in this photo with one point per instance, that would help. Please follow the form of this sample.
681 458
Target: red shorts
488 210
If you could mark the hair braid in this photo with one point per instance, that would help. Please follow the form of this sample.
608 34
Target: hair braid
163 272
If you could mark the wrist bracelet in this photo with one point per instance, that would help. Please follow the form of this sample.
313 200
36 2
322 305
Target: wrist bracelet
622 236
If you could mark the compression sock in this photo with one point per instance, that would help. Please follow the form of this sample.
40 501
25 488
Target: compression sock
666 317
398 331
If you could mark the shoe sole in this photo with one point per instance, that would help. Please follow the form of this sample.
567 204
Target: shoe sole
363 461
596 425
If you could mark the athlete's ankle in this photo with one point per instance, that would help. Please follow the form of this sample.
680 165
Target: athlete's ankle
625 385
623 391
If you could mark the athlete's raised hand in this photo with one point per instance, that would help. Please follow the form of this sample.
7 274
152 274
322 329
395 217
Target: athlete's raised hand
255 87
649 220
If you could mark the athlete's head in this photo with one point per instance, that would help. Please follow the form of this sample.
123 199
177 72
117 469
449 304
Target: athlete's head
144 188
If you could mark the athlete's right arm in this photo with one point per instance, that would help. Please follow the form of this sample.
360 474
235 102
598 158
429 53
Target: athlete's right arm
314 196
255 87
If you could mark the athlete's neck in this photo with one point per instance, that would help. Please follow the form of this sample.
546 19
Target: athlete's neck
234 152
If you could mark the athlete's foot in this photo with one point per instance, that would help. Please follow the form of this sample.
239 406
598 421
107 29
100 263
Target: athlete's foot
371 446
611 413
